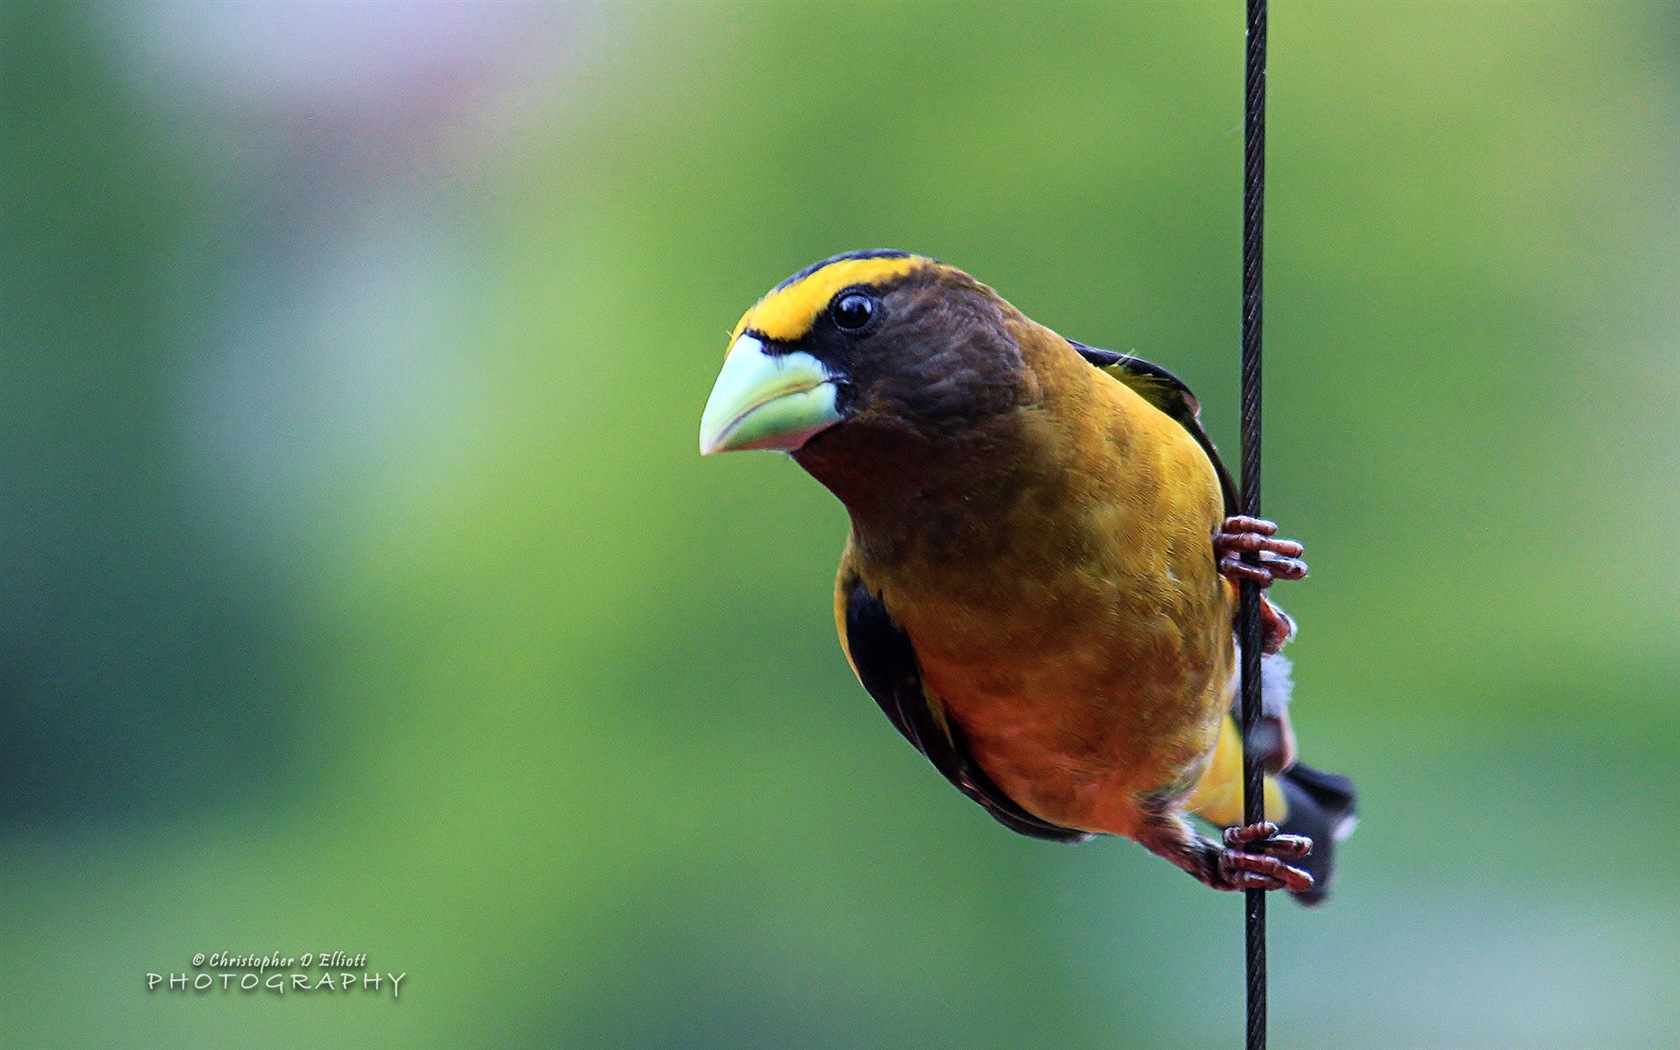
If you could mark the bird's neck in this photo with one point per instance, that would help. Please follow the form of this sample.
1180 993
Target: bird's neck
935 498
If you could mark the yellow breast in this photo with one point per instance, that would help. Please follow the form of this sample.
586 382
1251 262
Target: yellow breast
1088 658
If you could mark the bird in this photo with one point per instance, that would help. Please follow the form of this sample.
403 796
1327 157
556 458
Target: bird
1039 585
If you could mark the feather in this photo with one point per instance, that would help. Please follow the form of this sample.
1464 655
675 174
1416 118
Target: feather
885 663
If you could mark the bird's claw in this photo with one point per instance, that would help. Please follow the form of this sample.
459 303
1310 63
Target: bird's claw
1254 859
1278 559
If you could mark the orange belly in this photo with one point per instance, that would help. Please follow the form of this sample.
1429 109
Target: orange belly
1081 719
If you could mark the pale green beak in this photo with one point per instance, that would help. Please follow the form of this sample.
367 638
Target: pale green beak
763 400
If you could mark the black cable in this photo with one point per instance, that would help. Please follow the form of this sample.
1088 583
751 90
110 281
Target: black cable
1248 618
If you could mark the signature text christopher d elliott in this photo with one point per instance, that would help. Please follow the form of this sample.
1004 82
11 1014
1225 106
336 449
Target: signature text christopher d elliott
276 973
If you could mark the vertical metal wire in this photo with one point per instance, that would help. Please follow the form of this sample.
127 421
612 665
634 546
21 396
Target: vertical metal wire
1254 186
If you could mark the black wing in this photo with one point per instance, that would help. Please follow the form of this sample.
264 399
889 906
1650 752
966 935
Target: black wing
886 665
1168 393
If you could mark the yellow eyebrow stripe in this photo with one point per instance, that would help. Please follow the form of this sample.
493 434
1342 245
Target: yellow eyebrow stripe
787 314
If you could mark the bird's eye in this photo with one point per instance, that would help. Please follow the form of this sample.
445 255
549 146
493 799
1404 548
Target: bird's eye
853 311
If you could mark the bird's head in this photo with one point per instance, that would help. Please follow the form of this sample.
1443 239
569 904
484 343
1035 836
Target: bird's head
881 345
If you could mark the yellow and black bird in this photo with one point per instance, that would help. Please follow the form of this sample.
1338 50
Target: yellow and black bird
1038 589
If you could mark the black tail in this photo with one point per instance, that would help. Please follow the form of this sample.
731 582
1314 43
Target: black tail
1321 807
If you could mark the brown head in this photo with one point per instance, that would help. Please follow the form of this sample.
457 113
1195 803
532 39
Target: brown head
879 371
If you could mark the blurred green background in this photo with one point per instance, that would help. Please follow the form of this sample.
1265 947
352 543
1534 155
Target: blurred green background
365 591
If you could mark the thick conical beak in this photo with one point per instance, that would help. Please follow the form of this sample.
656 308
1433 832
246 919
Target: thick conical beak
766 400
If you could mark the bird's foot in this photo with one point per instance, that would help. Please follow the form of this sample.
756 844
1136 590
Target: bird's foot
1278 559
1265 868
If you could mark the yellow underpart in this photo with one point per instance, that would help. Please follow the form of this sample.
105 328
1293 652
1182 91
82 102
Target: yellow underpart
1218 796
787 314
